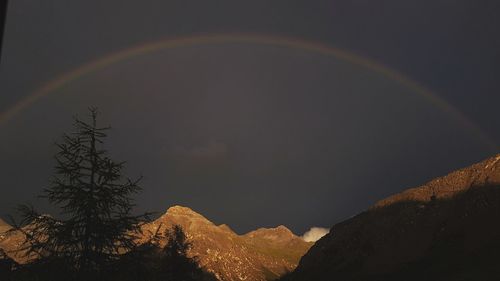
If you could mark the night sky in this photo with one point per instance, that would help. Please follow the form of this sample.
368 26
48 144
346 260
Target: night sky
244 129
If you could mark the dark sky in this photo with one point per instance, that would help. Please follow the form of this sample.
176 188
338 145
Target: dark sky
253 134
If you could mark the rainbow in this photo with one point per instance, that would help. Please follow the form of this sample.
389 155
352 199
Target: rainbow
284 42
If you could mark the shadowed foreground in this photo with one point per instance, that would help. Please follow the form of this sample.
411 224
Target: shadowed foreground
149 261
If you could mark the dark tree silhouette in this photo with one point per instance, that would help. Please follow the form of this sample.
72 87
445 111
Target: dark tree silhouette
152 262
177 244
175 264
95 201
142 263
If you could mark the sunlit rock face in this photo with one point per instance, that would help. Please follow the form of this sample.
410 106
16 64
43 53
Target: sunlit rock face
10 242
3 226
446 229
263 254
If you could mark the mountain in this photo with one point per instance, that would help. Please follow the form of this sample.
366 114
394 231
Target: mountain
10 242
264 254
3 226
446 229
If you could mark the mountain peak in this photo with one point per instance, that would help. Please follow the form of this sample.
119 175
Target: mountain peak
178 211
182 216
485 173
266 251
279 228
279 233
181 210
282 228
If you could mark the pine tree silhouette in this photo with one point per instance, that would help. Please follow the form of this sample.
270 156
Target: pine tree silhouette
95 200
175 264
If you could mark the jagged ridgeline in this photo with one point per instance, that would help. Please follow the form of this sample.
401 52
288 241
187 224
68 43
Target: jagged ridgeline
447 229
263 254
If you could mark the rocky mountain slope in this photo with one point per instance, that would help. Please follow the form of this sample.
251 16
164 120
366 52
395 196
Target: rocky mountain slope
447 229
3 226
8 241
264 254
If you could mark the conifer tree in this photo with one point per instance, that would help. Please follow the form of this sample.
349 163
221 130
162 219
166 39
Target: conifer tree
95 199
175 264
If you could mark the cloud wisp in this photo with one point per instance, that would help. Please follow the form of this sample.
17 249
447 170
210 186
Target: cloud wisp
315 233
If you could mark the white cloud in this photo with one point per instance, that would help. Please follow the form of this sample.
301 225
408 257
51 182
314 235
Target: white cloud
315 233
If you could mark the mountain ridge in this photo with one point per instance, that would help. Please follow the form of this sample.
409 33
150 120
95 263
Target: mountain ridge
446 186
262 254
445 229
259 255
